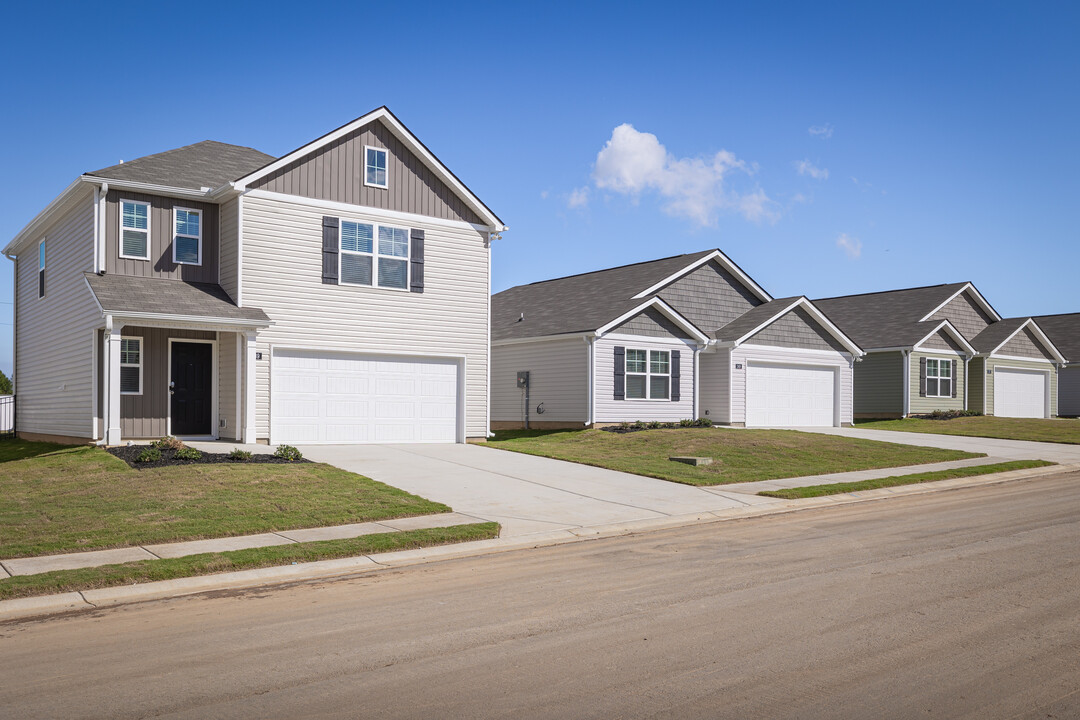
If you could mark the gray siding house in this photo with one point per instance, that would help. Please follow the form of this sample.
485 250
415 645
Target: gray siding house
691 336
944 347
1064 332
339 293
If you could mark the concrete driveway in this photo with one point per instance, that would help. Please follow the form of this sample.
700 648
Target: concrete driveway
525 494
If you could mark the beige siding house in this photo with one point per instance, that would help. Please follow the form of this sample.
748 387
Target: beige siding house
339 293
680 338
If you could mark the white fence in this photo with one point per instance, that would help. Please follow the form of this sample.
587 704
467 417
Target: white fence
7 413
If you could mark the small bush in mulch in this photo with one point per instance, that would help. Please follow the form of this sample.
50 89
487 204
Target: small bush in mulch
638 426
950 414
238 455
150 454
131 454
288 453
167 443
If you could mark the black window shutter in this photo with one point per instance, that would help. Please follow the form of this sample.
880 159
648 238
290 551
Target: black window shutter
41 284
954 378
330 226
620 372
675 375
416 260
922 377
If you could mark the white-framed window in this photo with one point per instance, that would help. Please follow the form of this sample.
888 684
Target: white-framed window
376 173
131 366
41 269
648 374
187 236
374 255
939 378
134 230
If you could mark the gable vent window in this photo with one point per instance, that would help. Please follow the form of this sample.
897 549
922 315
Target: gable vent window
375 173
135 230
41 270
364 262
131 366
187 236
648 374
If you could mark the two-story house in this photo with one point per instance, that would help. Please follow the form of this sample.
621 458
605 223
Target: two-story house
339 293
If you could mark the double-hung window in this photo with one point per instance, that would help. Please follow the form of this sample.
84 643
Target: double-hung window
374 255
131 366
648 374
134 230
375 172
939 378
41 269
187 236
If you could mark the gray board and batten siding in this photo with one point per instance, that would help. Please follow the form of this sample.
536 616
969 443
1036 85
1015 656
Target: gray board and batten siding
335 172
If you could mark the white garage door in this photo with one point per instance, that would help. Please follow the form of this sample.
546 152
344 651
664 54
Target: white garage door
789 395
330 397
1020 393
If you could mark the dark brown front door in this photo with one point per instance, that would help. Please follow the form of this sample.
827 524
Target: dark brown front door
191 388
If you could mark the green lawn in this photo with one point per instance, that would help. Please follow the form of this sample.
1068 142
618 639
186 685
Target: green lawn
1057 430
208 563
738 455
57 498
837 488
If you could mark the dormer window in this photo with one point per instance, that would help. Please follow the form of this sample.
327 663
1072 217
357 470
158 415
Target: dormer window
134 230
375 173
187 236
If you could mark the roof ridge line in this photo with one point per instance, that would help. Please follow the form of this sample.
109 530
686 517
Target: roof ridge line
617 267
885 292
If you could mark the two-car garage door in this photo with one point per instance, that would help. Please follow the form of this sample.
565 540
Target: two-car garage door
790 395
338 397
1021 393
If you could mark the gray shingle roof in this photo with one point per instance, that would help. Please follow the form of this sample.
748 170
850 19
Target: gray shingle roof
887 319
205 164
1064 332
752 318
578 303
125 294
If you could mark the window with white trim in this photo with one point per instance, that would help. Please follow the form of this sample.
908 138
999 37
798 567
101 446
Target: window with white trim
375 171
648 374
131 366
939 378
187 236
41 269
134 230
364 261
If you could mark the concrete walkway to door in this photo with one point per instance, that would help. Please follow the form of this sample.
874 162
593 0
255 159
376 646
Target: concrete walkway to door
524 493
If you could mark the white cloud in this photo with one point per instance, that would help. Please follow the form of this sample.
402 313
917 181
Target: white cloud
543 194
578 198
821 131
851 246
634 162
805 167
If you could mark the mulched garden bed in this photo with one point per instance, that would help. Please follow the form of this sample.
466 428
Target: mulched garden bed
639 426
128 454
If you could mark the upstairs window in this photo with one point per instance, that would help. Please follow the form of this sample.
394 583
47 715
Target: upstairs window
41 269
938 378
375 167
131 366
648 374
134 230
187 236
363 261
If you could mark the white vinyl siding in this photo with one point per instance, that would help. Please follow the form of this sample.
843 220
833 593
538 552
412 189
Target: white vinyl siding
134 230
609 410
54 345
282 274
747 354
228 220
558 377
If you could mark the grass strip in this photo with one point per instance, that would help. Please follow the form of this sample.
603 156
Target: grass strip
144 571
837 488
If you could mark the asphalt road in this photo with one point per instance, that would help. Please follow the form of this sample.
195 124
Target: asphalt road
962 604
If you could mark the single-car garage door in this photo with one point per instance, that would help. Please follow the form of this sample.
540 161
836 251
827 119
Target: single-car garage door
1020 393
789 395
336 397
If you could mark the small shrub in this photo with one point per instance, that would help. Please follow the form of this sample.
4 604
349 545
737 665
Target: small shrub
638 425
288 452
187 453
238 455
168 443
655 425
150 454
686 422
952 414
703 422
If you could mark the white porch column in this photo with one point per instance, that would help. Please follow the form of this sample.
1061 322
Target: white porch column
112 382
249 387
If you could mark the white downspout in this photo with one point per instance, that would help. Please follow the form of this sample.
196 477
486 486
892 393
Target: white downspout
14 329
590 405
697 382
907 382
100 229
967 380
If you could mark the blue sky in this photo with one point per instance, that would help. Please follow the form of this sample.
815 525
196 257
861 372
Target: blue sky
828 148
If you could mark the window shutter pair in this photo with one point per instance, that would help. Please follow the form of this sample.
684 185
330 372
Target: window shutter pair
331 229
620 373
